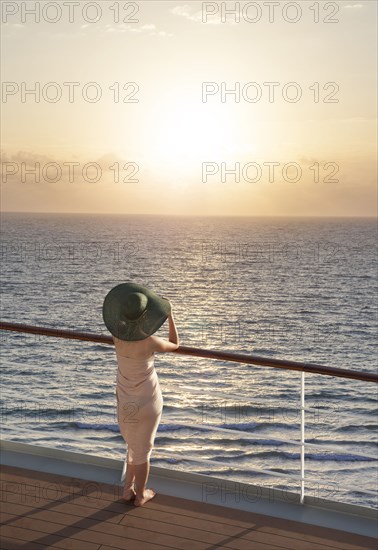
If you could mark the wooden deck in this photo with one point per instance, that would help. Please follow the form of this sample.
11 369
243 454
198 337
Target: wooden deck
40 510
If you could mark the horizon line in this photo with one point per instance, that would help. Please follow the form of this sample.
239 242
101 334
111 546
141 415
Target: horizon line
189 215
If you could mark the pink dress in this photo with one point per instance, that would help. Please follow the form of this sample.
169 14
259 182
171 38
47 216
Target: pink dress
139 406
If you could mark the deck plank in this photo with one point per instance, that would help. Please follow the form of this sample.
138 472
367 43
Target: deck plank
27 537
42 510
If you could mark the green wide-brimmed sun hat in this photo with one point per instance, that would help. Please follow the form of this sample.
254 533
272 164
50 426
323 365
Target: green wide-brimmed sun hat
133 312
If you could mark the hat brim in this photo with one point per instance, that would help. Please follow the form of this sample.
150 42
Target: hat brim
113 313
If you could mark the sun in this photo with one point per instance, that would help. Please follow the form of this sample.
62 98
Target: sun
186 133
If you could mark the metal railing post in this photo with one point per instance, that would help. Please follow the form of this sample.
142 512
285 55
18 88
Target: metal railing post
302 437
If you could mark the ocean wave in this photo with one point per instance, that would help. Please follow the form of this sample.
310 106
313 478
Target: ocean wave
241 426
247 426
97 395
241 409
247 442
115 427
356 427
221 442
89 426
174 427
101 347
342 457
342 442
266 455
37 412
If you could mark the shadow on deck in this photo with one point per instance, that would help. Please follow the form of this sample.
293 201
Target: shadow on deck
40 510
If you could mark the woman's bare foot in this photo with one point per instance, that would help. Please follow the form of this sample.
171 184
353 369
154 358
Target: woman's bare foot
128 494
148 494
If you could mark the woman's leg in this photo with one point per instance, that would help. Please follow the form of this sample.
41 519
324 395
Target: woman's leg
140 437
130 474
128 491
141 476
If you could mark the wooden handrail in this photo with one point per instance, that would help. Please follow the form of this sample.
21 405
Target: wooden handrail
198 352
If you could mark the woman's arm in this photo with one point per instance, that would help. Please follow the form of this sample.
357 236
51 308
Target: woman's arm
163 345
173 334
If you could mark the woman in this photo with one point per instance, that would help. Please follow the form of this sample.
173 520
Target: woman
132 313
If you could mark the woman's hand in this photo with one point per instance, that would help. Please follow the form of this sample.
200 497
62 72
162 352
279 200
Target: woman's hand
164 298
170 303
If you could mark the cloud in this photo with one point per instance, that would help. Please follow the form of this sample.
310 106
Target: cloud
15 162
9 26
184 11
196 16
27 157
150 29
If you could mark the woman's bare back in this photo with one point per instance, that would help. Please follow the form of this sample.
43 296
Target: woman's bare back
138 349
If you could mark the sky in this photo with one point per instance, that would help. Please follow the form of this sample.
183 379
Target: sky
190 108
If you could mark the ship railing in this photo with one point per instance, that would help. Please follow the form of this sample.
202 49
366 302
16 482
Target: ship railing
250 359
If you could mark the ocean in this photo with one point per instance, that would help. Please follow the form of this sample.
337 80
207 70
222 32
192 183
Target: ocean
289 288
